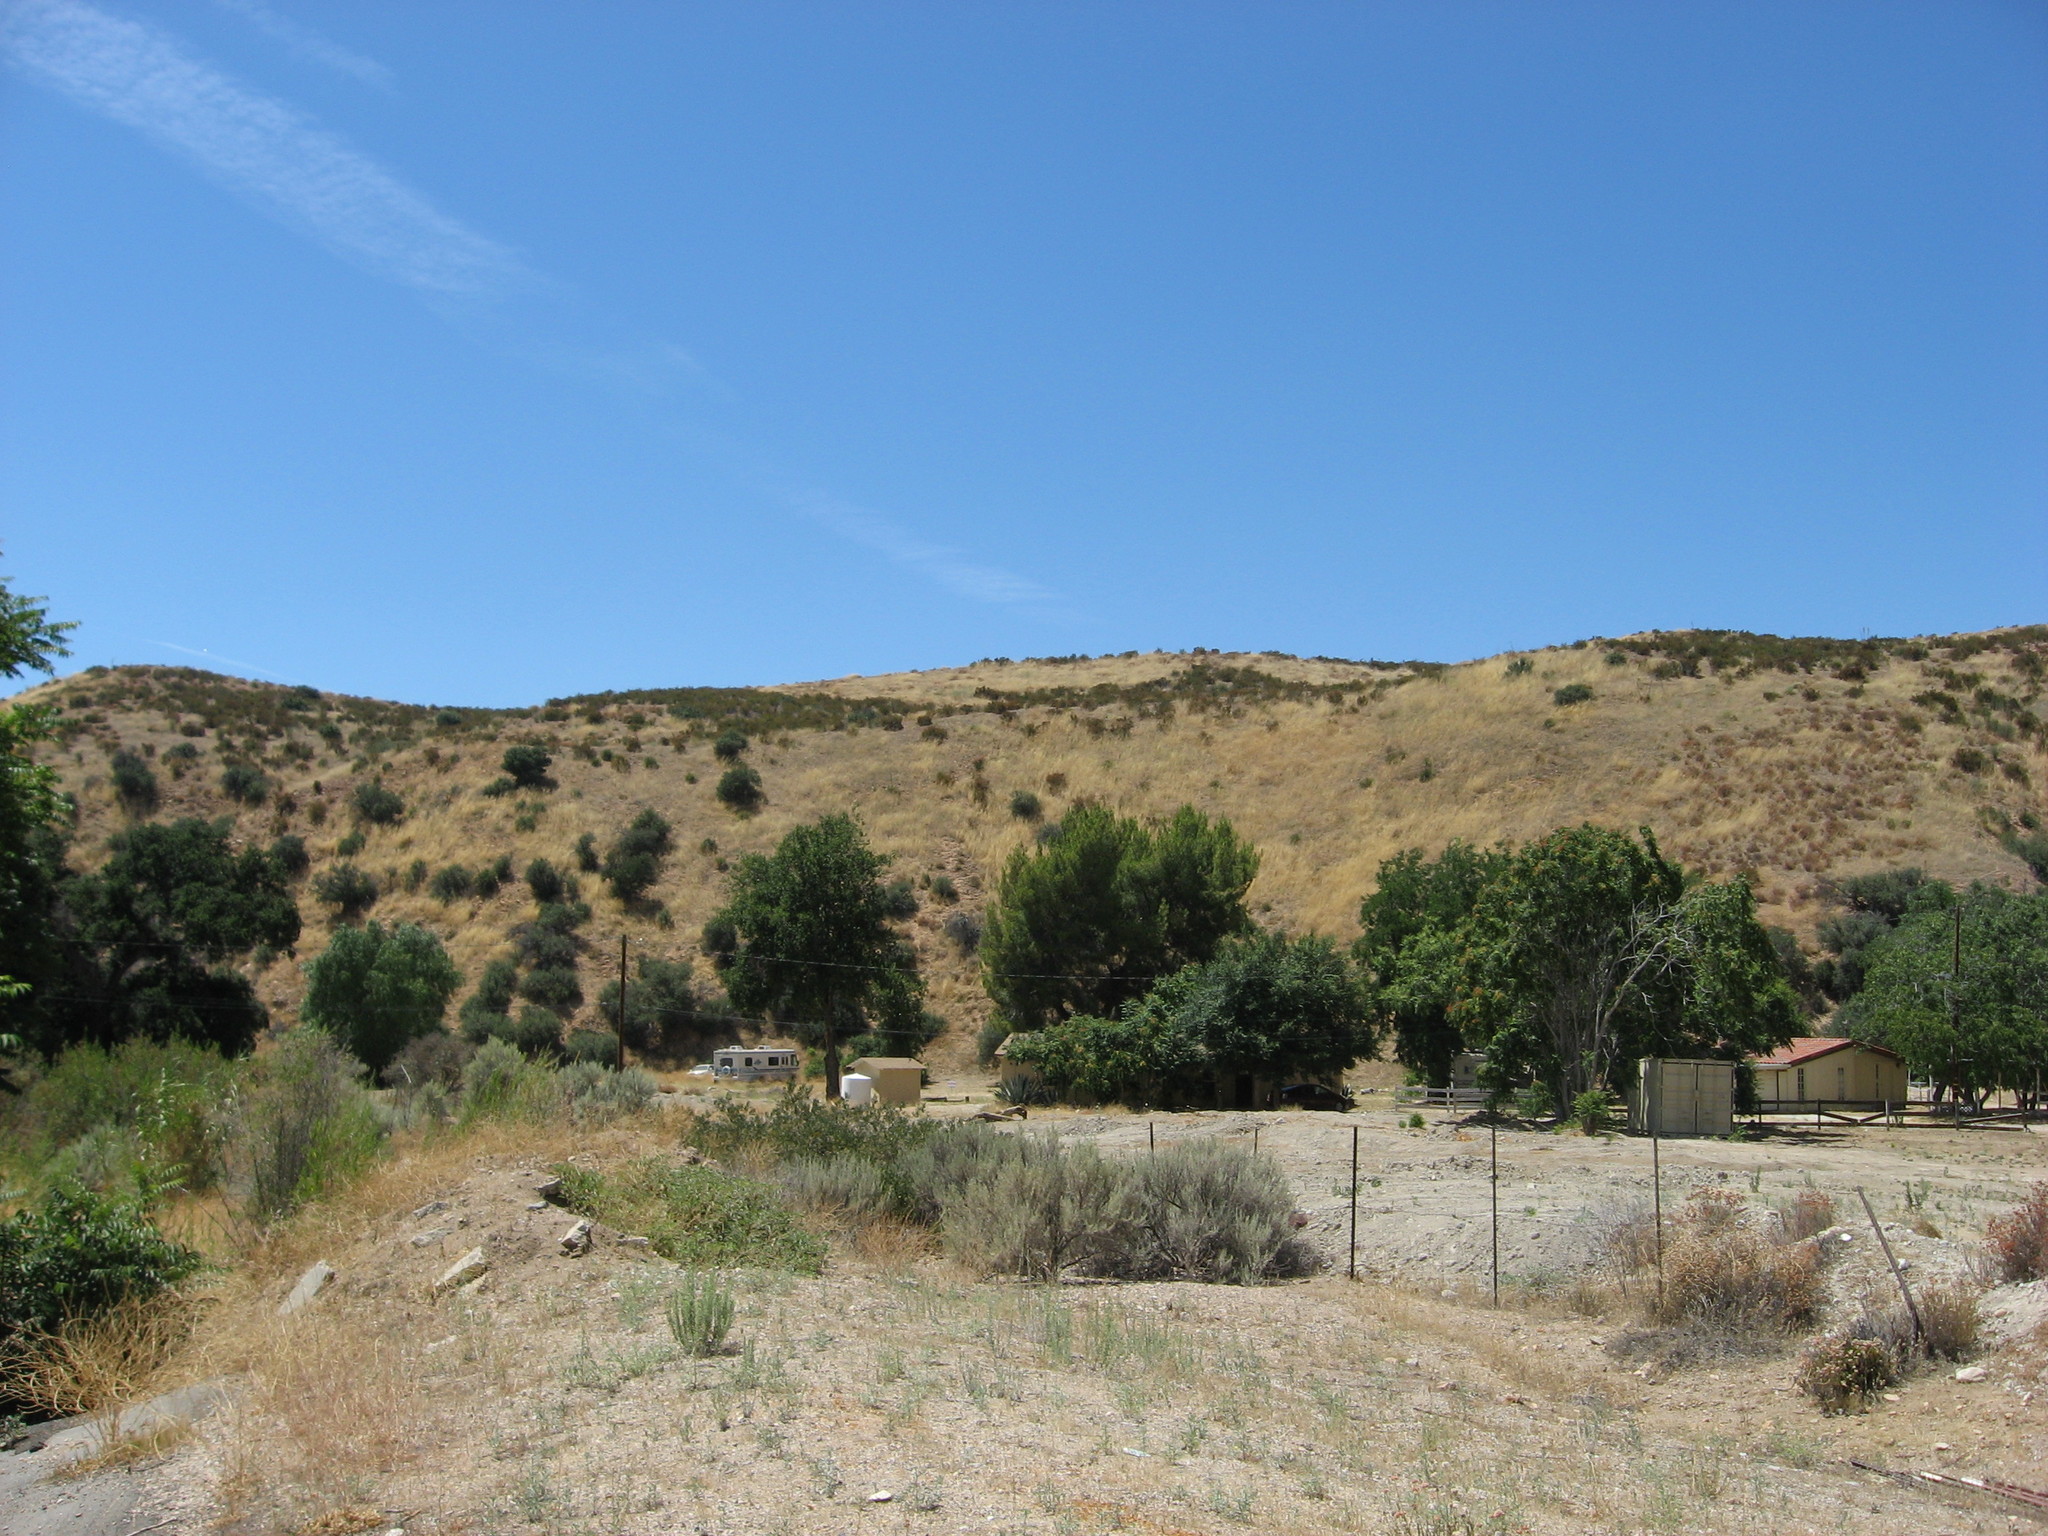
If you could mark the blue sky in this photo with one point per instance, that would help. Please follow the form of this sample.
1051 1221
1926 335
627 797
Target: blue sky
485 352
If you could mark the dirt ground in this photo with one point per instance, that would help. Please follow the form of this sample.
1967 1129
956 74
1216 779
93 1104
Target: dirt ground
548 1396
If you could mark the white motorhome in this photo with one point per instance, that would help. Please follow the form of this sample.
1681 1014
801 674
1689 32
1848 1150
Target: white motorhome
742 1064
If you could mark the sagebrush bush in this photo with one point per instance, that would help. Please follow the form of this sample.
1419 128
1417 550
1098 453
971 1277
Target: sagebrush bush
306 1124
844 1186
499 1083
1044 1215
964 929
2018 1240
1211 1212
699 1312
943 889
598 1045
592 1091
1841 1373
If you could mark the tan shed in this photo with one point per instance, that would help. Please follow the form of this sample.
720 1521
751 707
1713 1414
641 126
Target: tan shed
1682 1098
1821 1069
897 1079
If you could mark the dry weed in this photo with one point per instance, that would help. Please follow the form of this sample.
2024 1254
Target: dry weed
152 1444
97 1361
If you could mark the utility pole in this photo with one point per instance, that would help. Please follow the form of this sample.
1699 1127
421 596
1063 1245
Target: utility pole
622 1002
1493 1137
1351 1269
1955 1018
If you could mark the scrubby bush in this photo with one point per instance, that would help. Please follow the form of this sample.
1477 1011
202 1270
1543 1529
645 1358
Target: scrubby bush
739 787
351 891
376 990
1949 1320
964 929
699 1313
586 854
720 941
729 746
592 1045
899 900
451 883
526 765
1593 1112
552 986
349 846
165 1097
1720 1270
2019 1239
289 851
1969 760
134 783
704 1217
943 889
544 880
1025 805
306 1124
850 1188
436 1058
500 1083
491 877
633 863
1212 1213
537 1032
592 1091
1811 1212
376 804
244 782
1571 693
72 1256
1841 1373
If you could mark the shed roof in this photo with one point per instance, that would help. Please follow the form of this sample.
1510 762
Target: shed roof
891 1061
1804 1048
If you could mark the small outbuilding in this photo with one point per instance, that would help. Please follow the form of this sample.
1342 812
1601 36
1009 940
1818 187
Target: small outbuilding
1022 1083
1682 1098
1822 1069
897 1079
752 1064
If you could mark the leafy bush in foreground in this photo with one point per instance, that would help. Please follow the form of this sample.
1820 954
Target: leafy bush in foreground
76 1254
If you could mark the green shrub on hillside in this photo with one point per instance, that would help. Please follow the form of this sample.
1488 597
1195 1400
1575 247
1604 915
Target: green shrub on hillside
289 850
729 745
244 782
633 862
134 783
739 787
376 804
351 891
526 765
375 991
544 880
1571 693
451 884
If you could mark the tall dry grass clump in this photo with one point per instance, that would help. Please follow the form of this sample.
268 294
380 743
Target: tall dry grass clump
2018 1240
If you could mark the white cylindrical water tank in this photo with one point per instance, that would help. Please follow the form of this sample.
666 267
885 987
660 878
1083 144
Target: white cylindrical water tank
857 1088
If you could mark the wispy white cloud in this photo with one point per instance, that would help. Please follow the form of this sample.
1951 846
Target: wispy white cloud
948 567
225 661
254 144
142 77
308 44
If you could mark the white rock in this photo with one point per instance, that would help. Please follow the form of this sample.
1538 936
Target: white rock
1972 1373
462 1271
310 1285
880 1496
576 1240
431 1208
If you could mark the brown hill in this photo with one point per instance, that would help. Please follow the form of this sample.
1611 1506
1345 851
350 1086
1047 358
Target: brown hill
1795 760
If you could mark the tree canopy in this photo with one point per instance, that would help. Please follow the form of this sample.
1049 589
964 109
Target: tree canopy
811 941
31 847
1266 1005
1408 949
1973 1027
150 934
1106 906
376 990
1588 947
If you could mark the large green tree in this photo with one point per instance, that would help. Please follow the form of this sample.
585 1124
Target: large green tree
1266 1005
1960 989
1107 906
811 942
376 990
1589 948
31 849
1408 949
149 936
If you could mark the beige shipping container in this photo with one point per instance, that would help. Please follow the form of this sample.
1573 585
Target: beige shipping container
1682 1098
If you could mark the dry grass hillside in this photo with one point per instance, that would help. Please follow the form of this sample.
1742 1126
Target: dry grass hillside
1794 760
